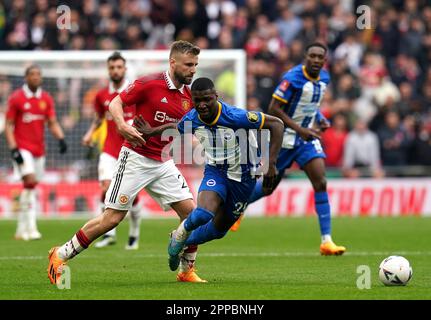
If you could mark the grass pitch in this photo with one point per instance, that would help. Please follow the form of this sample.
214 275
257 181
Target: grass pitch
268 258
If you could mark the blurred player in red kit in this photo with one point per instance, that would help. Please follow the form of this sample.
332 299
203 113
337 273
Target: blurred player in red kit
112 145
159 98
29 108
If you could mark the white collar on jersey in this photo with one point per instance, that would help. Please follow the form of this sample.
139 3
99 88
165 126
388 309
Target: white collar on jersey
170 83
30 94
120 89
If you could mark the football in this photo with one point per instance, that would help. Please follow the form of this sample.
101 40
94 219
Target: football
395 271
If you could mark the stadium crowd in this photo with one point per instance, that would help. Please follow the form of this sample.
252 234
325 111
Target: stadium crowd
379 100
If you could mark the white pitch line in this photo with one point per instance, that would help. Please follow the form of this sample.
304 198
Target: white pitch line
259 254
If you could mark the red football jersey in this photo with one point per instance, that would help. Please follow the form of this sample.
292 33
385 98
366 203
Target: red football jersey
114 140
159 102
29 111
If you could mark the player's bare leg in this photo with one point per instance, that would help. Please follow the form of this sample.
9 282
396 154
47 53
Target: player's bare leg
58 256
108 238
27 224
187 271
315 170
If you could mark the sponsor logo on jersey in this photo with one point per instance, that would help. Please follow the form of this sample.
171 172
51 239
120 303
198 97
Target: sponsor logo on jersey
28 117
252 117
211 183
161 116
123 199
185 104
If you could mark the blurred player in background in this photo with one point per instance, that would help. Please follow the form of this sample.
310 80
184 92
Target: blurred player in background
296 101
229 175
159 98
28 109
112 145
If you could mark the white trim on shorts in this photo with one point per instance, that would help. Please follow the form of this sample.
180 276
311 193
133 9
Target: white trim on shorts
32 165
133 172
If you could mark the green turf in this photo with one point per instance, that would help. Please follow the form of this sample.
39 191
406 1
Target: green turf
268 258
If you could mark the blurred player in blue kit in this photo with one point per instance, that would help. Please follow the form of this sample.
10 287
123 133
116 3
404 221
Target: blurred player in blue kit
296 101
228 179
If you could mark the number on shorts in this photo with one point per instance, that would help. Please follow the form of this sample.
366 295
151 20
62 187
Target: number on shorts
317 146
181 178
240 208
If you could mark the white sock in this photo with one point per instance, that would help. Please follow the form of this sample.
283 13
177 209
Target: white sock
32 212
27 203
187 261
182 234
135 221
326 238
70 249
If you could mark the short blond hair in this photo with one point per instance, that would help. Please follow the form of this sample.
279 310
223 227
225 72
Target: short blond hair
182 46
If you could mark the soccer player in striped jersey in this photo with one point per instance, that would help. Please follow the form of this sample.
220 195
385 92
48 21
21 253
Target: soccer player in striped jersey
296 102
226 134
112 145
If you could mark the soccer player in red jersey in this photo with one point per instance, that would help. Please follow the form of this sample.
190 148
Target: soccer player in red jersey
160 98
113 142
28 109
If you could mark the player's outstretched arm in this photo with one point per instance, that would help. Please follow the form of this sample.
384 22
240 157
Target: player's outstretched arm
276 109
129 132
276 129
149 131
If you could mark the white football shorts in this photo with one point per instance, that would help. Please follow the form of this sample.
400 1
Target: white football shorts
106 166
133 172
32 165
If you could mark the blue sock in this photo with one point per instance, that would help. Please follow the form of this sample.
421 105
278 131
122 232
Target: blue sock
257 192
197 217
323 211
204 234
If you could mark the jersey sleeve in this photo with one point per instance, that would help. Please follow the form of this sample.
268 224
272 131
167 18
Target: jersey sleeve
134 93
185 124
12 110
98 106
50 110
240 118
285 88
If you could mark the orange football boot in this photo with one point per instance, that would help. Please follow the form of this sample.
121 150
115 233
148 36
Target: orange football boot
331 249
189 276
237 223
55 266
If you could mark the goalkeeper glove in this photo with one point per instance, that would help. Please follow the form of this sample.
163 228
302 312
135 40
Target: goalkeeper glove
62 146
16 155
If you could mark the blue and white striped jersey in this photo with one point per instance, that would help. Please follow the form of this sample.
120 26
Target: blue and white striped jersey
301 96
228 142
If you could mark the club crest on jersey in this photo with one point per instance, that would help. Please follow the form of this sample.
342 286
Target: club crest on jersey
252 117
185 104
123 199
42 105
